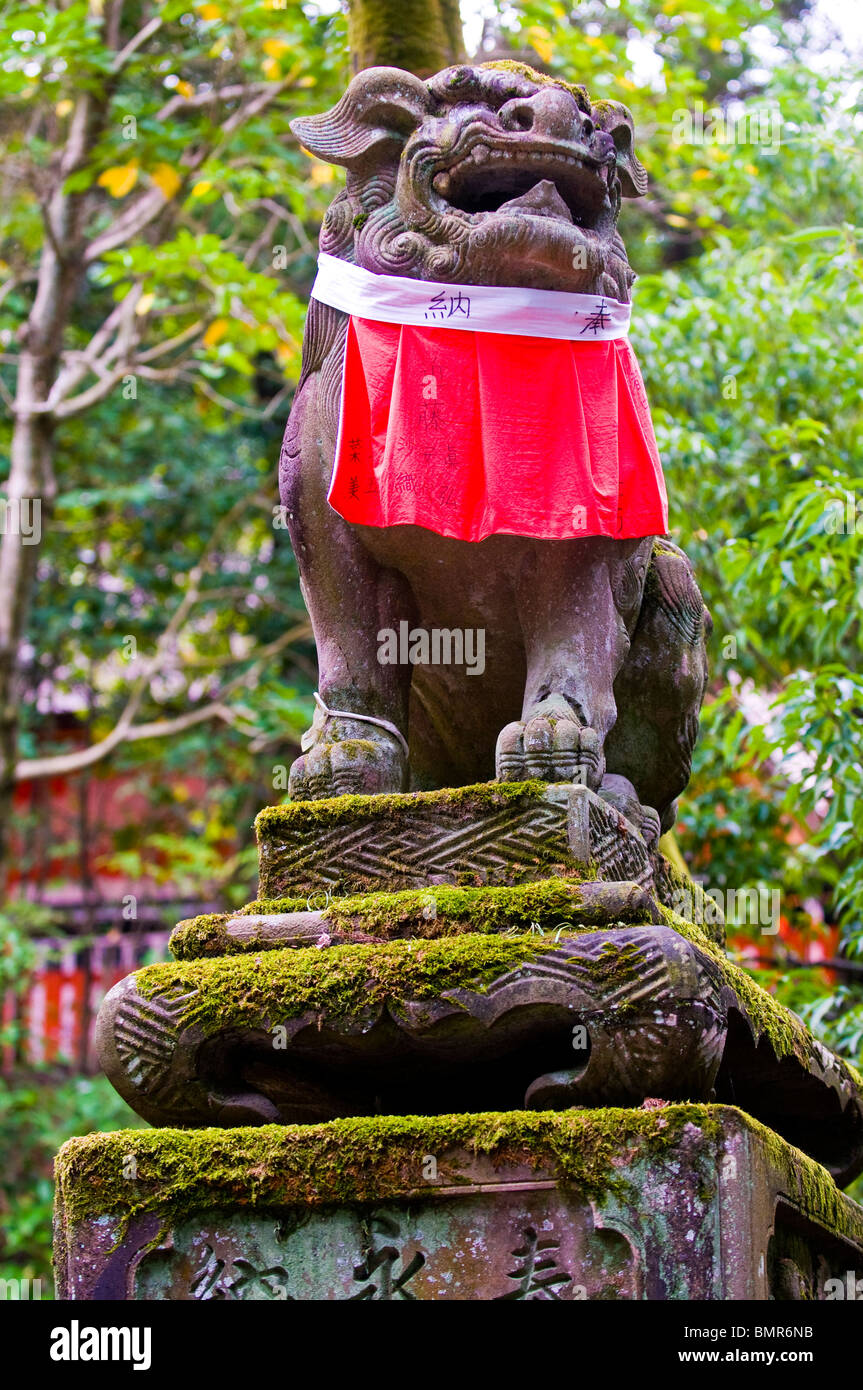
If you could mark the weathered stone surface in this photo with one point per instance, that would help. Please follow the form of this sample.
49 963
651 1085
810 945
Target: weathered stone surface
495 834
686 1202
596 1017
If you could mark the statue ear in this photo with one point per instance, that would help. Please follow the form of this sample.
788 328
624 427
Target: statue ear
381 106
616 120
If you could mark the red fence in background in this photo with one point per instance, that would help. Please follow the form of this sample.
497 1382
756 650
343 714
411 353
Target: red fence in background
57 1013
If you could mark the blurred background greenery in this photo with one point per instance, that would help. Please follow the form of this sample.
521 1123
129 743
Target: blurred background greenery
201 213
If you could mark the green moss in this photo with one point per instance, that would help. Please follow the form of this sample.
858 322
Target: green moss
199 936
268 907
542 78
661 546
304 816
806 1181
287 834
428 912
351 980
360 220
178 1172
279 985
786 1033
672 883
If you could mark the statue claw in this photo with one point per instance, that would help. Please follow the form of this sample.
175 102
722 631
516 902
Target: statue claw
552 746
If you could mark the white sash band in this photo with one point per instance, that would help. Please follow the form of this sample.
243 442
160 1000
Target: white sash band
478 308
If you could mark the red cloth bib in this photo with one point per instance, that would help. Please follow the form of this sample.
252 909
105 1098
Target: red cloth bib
473 434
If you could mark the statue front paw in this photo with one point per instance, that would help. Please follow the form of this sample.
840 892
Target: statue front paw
550 745
365 766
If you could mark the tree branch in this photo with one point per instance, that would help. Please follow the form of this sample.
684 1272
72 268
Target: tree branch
134 44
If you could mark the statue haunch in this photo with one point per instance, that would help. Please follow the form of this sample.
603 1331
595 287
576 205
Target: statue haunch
594 648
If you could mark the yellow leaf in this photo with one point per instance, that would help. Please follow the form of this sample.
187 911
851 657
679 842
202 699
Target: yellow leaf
628 83
201 188
271 69
714 43
120 179
322 173
185 89
699 175
540 40
209 11
751 169
166 179
274 48
144 305
64 107
674 221
216 331
307 81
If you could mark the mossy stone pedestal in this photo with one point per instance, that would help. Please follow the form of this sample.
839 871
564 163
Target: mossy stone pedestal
420 1045
681 1202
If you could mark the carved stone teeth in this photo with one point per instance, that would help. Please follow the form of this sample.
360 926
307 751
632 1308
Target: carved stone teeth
480 153
441 183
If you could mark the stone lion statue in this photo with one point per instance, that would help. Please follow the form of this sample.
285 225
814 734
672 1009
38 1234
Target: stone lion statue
499 187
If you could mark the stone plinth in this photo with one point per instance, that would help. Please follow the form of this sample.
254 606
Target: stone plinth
496 833
682 1202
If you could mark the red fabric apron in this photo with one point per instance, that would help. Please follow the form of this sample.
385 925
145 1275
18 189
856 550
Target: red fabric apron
472 434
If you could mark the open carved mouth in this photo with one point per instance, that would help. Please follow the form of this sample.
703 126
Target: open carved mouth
538 183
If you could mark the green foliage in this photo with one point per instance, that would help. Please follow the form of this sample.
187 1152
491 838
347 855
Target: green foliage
36 1117
17 957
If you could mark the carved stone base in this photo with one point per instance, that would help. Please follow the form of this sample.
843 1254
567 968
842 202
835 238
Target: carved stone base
472 1022
694 1202
490 834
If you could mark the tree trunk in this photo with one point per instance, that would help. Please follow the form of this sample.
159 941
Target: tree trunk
31 481
422 36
